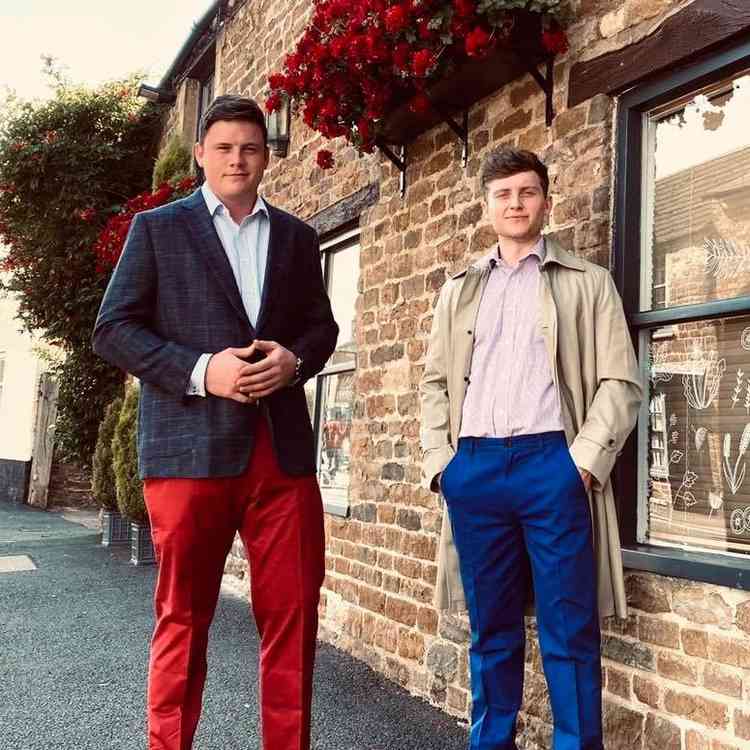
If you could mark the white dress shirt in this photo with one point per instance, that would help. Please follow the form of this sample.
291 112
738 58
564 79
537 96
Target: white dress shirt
246 246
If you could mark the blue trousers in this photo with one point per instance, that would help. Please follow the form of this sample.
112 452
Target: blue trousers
518 508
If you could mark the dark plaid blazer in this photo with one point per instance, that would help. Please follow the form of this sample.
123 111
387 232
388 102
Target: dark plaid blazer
172 297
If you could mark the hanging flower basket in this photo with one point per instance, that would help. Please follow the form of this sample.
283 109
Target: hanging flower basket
360 61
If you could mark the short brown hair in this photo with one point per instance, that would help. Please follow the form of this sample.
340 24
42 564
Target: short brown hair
233 107
506 161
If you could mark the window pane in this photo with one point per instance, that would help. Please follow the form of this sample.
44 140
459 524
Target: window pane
698 493
696 209
335 443
342 289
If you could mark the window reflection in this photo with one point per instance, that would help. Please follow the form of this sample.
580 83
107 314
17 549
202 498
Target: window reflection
697 209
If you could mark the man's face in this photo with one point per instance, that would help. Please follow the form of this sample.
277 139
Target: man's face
233 157
517 206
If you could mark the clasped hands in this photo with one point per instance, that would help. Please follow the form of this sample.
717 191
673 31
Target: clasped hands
230 375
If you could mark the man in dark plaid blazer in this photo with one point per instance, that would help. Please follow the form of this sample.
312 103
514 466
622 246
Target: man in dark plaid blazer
218 306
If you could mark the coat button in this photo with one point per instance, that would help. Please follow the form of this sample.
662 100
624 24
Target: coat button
466 379
469 332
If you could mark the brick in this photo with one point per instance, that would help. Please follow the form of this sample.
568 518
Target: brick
722 680
623 727
659 632
742 618
517 121
695 642
410 645
729 651
618 682
647 691
427 620
401 611
702 710
648 593
372 600
630 653
695 741
677 668
742 724
700 605
661 734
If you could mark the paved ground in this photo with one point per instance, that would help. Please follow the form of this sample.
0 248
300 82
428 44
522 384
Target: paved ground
73 648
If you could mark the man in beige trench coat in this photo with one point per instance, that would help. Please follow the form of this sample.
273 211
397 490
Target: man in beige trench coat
530 390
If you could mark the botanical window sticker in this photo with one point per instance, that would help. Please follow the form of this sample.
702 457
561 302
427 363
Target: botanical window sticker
698 491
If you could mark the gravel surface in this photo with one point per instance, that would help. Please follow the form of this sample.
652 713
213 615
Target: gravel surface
73 649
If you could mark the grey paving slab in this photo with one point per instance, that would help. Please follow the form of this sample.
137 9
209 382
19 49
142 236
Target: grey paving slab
73 647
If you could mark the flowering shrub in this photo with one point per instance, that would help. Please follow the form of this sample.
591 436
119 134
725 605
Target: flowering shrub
359 58
111 241
66 164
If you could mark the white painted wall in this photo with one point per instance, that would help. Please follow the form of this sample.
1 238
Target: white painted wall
17 402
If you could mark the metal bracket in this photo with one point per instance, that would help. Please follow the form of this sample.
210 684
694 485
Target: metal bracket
462 131
398 160
546 82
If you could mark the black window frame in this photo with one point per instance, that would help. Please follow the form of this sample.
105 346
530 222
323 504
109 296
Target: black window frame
632 108
343 239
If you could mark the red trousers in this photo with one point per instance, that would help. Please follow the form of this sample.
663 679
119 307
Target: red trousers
193 523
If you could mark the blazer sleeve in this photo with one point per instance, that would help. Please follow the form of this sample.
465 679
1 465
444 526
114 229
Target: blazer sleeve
123 332
435 403
319 331
614 409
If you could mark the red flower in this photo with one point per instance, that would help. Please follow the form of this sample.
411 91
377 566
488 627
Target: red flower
425 32
273 102
396 19
465 7
277 81
324 159
422 62
420 104
401 56
477 42
555 42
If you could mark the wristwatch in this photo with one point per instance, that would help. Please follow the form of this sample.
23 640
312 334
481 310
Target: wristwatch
297 372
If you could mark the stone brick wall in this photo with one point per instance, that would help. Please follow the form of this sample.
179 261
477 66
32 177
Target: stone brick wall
676 671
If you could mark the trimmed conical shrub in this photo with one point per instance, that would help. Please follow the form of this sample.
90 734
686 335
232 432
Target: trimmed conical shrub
124 448
103 480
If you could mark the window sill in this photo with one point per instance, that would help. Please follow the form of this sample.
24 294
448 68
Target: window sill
336 507
732 572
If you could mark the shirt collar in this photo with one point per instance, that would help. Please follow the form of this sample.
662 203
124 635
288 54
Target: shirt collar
493 258
214 204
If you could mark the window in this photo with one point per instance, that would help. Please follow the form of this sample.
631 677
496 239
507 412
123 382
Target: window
330 395
205 97
682 259
2 375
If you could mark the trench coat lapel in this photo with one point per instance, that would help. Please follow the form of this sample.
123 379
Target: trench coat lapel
210 247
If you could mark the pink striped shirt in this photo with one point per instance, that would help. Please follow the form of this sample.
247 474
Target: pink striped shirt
510 389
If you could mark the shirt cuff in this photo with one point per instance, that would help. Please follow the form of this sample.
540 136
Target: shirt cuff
197 384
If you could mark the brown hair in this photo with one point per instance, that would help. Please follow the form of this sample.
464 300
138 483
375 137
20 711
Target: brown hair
233 107
505 161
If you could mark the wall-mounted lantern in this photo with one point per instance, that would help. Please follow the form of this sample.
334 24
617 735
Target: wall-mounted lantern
279 125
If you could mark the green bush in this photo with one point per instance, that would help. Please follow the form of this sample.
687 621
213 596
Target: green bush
103 485
174 163
87 385
125 452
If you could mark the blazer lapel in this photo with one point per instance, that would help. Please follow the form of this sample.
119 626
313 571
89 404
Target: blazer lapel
212 250
277 243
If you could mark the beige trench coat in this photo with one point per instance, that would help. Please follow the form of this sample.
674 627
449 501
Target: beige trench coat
594 369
